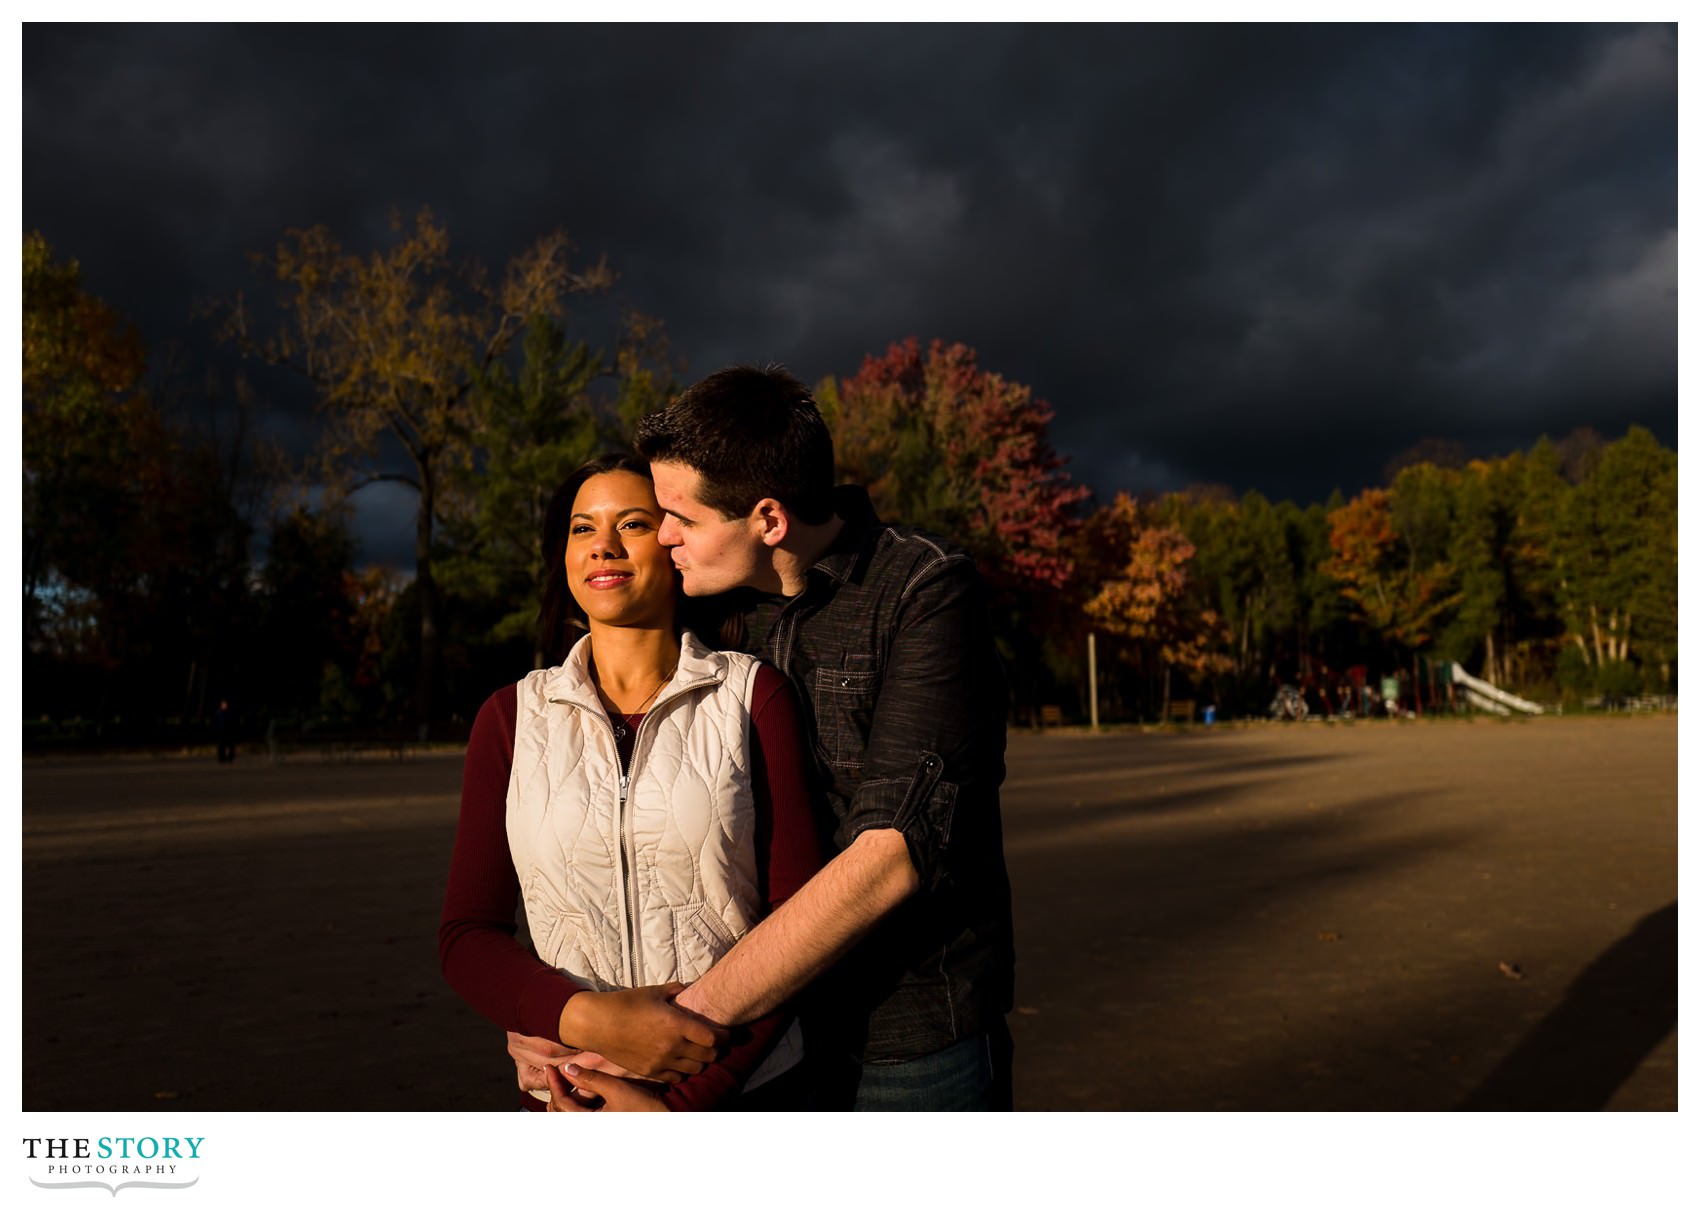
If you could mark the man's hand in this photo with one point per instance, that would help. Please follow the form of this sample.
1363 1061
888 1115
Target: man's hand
642 1030
592 1091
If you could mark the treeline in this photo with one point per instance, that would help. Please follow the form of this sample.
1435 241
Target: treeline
1550 572
174 558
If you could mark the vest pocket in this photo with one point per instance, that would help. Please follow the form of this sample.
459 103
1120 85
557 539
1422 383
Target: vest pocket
700 938
565 938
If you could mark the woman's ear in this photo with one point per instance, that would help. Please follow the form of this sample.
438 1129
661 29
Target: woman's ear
772 521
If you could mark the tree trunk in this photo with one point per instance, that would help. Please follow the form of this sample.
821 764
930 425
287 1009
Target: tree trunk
1492 672
427 584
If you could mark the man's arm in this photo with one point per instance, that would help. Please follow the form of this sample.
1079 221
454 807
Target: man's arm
802 938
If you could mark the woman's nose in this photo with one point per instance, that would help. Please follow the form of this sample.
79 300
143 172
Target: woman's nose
606 544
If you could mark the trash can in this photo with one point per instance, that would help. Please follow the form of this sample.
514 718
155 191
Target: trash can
1209 713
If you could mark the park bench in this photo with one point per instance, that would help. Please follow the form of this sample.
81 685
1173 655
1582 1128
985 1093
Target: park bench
1181 711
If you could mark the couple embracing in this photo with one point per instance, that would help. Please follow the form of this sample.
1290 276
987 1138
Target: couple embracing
770 880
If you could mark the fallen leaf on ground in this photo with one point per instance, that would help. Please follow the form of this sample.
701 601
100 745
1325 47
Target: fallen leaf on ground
1514 972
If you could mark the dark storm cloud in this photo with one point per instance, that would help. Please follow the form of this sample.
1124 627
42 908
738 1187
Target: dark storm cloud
1267 257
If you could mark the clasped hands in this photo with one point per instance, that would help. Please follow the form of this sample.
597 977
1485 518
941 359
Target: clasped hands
628 1045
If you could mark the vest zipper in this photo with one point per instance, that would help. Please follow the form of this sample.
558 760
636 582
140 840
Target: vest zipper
628 846
628 860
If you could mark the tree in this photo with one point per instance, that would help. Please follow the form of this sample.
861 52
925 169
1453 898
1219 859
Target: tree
1478 551
306 608
133 552
532 429
1615 546
950 448
1398 582
85 420
393 344
1243 558
1154 599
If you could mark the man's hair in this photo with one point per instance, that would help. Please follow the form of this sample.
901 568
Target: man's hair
749 433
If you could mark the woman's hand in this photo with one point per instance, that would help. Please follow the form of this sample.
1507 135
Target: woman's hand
533 1057
642 1030
593 1091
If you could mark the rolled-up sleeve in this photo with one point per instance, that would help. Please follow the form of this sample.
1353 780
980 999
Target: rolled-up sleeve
938 719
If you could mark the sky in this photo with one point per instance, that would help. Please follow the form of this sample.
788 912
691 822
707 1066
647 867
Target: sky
1268 258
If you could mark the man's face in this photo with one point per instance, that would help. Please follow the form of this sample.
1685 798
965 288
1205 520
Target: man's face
711 553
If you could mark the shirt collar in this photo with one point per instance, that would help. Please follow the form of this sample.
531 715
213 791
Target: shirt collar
849 502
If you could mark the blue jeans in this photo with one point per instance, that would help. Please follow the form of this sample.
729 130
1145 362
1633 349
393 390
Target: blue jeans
972 1075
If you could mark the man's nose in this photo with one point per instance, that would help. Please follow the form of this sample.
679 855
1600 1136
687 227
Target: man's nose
667 534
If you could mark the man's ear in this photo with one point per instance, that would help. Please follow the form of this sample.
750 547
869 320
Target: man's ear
772 521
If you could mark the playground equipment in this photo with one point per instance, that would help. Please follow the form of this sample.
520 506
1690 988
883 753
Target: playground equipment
1289 704
1489 698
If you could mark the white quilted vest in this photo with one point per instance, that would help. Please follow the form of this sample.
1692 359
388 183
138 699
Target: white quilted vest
651 878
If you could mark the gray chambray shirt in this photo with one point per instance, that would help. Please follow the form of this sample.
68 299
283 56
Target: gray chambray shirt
890 648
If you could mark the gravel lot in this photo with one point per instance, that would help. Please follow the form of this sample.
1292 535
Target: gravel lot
1379 915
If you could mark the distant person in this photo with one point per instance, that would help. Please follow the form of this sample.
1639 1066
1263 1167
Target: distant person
904 939
648 799
224 731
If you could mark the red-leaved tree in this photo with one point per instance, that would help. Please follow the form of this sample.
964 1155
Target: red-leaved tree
946 446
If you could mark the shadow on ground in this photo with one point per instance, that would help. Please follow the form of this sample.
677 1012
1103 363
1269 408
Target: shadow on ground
1613 1016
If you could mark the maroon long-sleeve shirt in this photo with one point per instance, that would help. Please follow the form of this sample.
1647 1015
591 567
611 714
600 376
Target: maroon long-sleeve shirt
507 983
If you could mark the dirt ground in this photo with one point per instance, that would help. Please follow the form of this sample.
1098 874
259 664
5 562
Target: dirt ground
1395 916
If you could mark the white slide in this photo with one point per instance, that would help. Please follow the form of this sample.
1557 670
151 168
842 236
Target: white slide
1489 697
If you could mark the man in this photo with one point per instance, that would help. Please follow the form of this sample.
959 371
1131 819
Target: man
903 941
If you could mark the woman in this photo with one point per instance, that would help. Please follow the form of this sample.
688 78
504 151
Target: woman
648 800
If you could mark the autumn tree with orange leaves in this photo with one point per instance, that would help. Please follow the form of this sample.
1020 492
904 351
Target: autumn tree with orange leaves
1388 554
1155 600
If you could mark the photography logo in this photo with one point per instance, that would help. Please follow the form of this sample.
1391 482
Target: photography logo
113 1163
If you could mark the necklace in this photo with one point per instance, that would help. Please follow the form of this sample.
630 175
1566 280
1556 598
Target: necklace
617 717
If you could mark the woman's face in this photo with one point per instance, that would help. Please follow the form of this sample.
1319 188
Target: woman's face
617 572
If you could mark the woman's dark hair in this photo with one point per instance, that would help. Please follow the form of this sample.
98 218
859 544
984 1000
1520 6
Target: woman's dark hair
559 622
